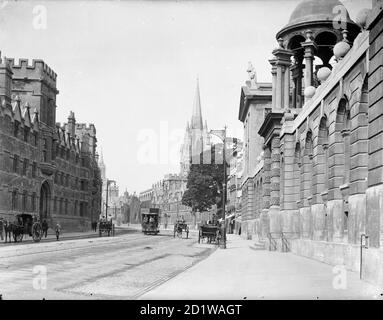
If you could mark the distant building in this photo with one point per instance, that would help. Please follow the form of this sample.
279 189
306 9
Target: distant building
167 193
47 170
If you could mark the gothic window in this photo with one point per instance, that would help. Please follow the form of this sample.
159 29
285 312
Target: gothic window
15 167
24 201
25 166
14 200
33 202
45 155
61 206
35 139
34 169
16 128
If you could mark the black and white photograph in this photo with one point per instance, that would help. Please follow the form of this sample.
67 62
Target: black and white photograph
191 150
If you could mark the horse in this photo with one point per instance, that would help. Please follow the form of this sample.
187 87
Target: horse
9 229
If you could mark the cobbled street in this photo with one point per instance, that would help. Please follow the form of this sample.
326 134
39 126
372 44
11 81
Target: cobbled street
123 267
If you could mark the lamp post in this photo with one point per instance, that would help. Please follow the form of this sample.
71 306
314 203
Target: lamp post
108 182
222 135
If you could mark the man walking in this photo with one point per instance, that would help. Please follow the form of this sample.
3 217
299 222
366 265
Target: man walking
45 228
58 229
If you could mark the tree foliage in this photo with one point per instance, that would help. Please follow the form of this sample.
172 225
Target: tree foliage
204 185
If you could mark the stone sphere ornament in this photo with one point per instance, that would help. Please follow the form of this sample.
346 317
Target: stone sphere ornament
361 17
323 73
341 49
309 92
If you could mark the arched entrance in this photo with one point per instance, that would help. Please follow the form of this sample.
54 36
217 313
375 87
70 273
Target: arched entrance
45 196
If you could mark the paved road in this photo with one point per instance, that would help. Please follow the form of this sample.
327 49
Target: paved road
123 267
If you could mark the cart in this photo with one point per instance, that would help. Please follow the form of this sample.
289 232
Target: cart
210 233
179 227
25 224
106 227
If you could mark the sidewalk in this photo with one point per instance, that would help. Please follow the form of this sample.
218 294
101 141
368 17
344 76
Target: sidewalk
52 236
240 272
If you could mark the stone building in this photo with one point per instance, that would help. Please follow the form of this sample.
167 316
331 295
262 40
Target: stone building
234 191
47 169
167 195
319 177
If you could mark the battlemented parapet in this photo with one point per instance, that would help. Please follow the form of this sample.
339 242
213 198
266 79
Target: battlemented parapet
36 70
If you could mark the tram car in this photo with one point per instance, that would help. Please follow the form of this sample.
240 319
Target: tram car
151 221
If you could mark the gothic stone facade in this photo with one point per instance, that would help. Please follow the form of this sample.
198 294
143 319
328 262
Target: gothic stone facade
46 170
321 166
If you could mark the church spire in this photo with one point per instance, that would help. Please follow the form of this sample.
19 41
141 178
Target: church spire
196 121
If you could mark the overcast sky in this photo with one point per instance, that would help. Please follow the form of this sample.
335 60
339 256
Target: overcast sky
130 68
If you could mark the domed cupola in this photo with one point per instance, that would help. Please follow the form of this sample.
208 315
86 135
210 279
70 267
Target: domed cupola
315 26
326 19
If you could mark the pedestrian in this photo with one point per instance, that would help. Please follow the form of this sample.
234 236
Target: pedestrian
45 228
1 228
58 229
8 231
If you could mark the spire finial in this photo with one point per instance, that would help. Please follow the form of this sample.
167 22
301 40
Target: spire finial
196 121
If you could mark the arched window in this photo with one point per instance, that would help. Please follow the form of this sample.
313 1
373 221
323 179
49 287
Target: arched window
323 135
297 173
308 167
343 127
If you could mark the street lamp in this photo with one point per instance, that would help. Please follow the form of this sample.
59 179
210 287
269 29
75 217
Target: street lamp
222 135
108 182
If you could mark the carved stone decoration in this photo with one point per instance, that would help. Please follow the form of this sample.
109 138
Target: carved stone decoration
362 16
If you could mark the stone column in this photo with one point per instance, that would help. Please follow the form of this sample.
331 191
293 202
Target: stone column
374 221
265 223
286 89
275 225
289 213
274 81
335 209
359 167
282 62
309 47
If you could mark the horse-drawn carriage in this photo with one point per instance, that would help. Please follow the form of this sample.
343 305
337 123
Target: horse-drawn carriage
106 227
150 221
211 232
179 227
25 224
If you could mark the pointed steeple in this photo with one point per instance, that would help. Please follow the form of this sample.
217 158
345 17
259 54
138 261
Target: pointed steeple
196 121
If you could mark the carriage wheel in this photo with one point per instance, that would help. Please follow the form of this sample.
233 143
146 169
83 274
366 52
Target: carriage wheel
37 232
